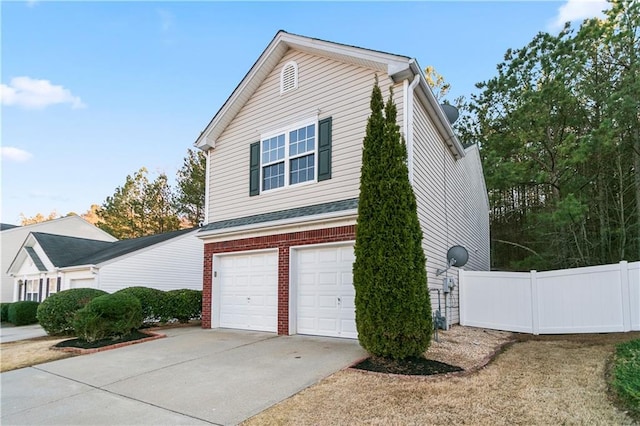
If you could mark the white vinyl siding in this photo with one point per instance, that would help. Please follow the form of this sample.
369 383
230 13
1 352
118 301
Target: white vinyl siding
327 88
452 204
175 264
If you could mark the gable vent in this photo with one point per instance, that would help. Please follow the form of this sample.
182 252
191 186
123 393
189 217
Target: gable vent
289 77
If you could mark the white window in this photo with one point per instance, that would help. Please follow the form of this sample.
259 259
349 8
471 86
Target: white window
288 157
289 77
53 285
33 287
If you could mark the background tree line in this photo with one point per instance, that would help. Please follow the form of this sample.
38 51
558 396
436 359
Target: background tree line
559 132
142 207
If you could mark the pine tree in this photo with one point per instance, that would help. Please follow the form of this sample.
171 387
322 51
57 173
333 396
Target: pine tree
393 310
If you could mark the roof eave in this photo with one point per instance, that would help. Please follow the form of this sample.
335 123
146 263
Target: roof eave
396 66
324 218
436 113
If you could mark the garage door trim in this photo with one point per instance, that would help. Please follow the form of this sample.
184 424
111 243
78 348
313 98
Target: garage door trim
215 280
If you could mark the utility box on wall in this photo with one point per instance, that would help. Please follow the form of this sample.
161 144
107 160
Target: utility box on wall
448 283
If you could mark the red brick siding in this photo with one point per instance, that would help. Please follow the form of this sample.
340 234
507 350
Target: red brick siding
280 241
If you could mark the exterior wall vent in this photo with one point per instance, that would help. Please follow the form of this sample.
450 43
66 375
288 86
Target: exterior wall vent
289 77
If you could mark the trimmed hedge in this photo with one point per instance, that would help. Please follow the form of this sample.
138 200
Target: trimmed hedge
184 304
153 301
4 312
56 312
23 313
109 316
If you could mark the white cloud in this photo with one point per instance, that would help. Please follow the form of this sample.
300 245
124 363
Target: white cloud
166 19
30 93
578 10
16 155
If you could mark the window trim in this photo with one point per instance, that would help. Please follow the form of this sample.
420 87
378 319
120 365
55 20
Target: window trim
287 157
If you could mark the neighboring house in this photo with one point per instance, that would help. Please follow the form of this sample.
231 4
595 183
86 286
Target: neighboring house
48 263
283 174
12 237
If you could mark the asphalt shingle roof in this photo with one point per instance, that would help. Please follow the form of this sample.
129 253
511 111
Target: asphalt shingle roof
66 251
36 259
5 226
334 206
122 247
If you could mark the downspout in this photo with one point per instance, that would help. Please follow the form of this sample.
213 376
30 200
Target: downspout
206 187
408 122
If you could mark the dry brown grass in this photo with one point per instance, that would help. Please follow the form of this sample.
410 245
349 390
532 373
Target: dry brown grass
538 380
25 353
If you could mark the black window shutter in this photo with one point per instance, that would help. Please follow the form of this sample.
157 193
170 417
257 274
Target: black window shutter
254 169
324 149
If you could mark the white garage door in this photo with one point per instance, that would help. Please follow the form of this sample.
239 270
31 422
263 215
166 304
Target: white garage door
248 291
325 293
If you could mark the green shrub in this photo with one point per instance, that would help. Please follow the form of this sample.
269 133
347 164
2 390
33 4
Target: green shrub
109 316
184 304
626 376
23 313
153 301
56 313
4 312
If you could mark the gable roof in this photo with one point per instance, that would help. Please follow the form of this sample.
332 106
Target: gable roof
5 226
36 259
51 225
63 251
122 247
398 67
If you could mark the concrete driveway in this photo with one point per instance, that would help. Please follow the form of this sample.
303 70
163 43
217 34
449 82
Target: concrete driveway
11 333
192 377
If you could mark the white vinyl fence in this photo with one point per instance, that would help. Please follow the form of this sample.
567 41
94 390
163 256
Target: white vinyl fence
595 299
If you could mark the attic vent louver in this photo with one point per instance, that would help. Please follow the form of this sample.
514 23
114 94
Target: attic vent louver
289 77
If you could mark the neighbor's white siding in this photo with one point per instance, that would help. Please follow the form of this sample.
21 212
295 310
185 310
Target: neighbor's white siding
326 87
176 264
12 239
452 205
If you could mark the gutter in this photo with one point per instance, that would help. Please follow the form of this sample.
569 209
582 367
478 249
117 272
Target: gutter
435 112
408 119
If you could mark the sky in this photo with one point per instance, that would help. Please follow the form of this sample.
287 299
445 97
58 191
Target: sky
93 91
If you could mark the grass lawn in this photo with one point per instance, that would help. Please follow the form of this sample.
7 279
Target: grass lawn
25 353
537 380
626 376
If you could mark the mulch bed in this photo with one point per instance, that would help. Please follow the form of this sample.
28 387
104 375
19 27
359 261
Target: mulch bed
84 347
409 366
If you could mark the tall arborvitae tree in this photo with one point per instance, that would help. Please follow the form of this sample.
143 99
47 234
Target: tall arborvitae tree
393 310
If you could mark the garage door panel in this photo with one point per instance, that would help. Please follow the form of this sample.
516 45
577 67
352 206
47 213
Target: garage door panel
328 278
327 301
325 292
248 286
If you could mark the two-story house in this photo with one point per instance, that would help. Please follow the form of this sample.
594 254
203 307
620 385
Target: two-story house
283 172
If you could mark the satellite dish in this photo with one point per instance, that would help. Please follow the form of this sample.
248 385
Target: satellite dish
451 112
457 256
